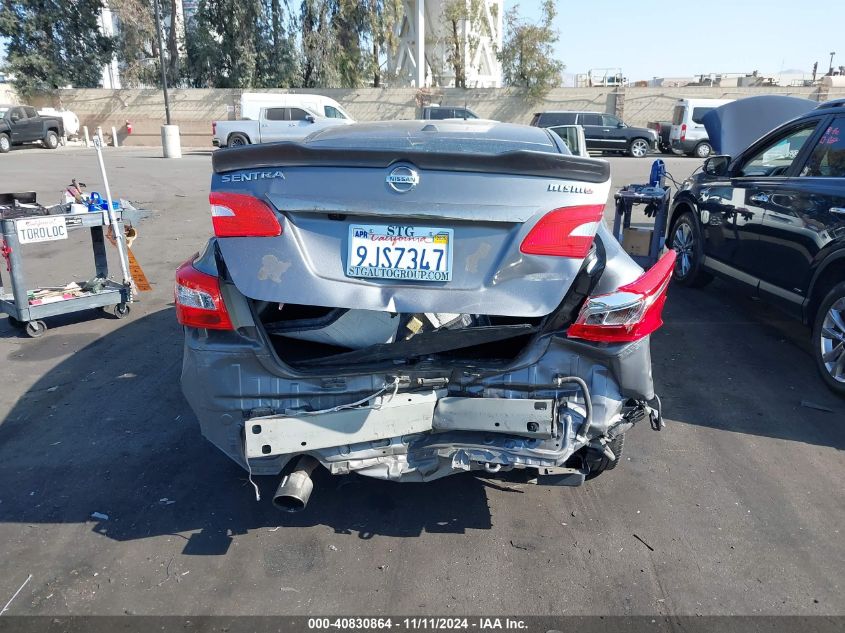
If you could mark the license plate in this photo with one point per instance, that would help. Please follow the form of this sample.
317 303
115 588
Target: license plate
414 253
45 229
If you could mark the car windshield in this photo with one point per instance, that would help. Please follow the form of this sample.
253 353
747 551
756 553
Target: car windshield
3 111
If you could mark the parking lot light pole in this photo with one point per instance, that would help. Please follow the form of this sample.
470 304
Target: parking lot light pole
830 72
171 145
161 62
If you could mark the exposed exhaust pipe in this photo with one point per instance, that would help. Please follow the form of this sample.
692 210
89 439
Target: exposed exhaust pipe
295 488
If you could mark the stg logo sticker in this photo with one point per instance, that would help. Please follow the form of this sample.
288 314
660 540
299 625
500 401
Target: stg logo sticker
561 188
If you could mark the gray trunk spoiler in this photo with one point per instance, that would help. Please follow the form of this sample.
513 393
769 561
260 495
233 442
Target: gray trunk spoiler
518 163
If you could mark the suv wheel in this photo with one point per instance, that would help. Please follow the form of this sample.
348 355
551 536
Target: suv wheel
638 148
829 339
702 150
5 143
686 241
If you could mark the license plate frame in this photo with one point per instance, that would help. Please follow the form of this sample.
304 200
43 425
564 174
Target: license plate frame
420 243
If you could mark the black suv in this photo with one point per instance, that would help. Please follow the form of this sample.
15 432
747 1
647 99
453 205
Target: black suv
773 219
604 132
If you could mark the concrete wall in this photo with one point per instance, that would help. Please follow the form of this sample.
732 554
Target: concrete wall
194 109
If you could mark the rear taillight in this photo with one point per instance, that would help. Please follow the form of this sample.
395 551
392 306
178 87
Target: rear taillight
240 215
629 314
198 300
564 232
684 132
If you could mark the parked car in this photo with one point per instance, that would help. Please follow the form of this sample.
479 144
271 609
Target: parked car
688 134
604 132
373 301
23 124
664 131
772 218
273 124
447 112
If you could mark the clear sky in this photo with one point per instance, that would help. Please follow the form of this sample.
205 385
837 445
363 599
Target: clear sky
662 38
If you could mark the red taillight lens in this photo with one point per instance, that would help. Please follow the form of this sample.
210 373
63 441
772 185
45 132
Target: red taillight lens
564 232
684 132
198 300
239 215
629 314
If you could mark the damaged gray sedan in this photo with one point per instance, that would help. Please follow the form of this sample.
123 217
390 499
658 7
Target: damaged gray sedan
411 300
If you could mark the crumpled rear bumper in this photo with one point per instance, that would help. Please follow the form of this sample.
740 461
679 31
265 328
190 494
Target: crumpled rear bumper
413 425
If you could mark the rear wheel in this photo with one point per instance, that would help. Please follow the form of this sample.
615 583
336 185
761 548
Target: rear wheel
5 143
237 140
51 140
686 241
597 463
829 339
702 150
638 148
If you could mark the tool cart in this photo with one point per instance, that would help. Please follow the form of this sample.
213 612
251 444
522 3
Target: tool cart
24 222
643 244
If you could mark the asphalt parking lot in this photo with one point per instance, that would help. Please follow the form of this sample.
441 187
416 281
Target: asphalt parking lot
735 508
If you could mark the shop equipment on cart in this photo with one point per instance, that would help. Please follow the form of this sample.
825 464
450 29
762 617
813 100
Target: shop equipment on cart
655 195
25 222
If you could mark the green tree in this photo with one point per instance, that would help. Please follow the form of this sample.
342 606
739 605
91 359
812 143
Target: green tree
53 43
462 20
382 16
137 46
527 54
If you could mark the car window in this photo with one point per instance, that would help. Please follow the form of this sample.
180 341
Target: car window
463 113
332 112
17 114
441 113
569 135
550 119
275 114
776 157
30 112
589 119
678 115
298 114
609 121
698 114
828 157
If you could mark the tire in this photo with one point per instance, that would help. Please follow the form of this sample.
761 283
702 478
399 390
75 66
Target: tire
829 339
34 329
5 143
702 150
600 464
51 140
638 148
238 140
685 239
119 311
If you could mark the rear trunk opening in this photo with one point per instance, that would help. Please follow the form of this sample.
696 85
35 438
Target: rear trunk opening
315 336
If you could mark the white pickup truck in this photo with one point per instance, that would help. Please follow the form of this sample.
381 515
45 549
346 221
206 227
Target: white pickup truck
273 124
